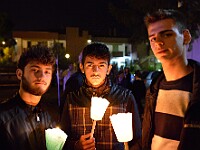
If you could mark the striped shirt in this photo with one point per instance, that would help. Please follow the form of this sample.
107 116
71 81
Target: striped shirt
172 101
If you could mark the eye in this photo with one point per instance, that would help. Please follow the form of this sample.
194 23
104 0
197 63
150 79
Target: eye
167 35
35 70
152 39
47 72
102 65
89 65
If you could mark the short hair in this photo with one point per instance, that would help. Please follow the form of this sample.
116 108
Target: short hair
97 50
161 14
41 54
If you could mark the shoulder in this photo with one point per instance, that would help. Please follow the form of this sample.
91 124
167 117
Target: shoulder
8 109
119 94
120 89
8 104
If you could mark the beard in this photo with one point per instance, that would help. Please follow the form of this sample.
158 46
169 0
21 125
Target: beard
32 90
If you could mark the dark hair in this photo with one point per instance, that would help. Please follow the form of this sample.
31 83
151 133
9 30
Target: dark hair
97 50
161 14
41 54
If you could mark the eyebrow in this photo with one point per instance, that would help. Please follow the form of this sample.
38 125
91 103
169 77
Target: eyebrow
36 66
161 32
99 63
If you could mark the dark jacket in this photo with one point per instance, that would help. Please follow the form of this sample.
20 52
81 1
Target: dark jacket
190 133
22 126
76 119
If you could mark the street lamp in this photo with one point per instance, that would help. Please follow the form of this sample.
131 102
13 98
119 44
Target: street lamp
89 41
67 56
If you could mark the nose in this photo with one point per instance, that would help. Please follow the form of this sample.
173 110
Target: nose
159 41
40 74
95 68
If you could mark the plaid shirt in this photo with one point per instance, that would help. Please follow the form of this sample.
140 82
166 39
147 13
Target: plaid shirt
76 119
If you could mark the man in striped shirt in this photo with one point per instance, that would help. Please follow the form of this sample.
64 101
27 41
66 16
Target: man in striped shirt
172 116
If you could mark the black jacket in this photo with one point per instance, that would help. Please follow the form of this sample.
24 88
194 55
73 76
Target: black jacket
22 126
190 134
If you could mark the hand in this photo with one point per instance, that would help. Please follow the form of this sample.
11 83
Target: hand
85 143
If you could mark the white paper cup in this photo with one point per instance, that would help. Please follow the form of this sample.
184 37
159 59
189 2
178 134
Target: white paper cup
122 125
98 107
55 139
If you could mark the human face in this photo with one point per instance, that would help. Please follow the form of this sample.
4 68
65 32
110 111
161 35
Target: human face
36 78
95 70
166 41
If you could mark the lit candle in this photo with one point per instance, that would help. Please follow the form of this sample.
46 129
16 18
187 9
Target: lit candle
98 107
122 125
97 110
55 139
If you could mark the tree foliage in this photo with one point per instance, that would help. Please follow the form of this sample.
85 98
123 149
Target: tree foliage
131 13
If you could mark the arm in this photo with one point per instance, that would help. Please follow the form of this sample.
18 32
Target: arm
136 123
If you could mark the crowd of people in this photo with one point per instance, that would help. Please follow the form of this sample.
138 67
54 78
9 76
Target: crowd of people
166 116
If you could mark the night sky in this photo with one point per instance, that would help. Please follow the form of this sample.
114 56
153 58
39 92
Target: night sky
55 15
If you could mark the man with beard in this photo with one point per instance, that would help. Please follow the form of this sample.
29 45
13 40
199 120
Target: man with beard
24 118
76 121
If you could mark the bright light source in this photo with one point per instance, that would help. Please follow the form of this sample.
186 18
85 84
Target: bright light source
67 55
89 41
3 42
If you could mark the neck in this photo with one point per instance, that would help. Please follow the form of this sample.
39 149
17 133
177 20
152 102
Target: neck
174 70
28 98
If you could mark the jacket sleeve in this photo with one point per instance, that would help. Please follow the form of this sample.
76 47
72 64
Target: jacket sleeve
65 125
5 141
136 123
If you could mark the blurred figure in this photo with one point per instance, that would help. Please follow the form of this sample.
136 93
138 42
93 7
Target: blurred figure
124 79
139 91
67 74
127 76
24 118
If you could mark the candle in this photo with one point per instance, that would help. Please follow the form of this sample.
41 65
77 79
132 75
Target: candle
97 110
122 125
98 107
55 139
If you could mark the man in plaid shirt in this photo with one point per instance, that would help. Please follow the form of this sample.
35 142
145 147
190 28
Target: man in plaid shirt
75 119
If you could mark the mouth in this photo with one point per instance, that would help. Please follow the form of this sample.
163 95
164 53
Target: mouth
95 76
42 83
161 51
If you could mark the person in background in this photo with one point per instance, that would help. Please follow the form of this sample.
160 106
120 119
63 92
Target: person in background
24 118
75 119
172 110
139 91
67 74
127 76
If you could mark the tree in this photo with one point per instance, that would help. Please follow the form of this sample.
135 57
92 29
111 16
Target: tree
131 13
6 40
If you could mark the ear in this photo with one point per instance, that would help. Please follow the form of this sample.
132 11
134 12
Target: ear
187 37
109 69
19 73
81 67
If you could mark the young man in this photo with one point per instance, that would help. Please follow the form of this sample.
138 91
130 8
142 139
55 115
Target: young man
23 118
76 121
172 110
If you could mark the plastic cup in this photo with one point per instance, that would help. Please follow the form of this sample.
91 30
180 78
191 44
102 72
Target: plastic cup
122 125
